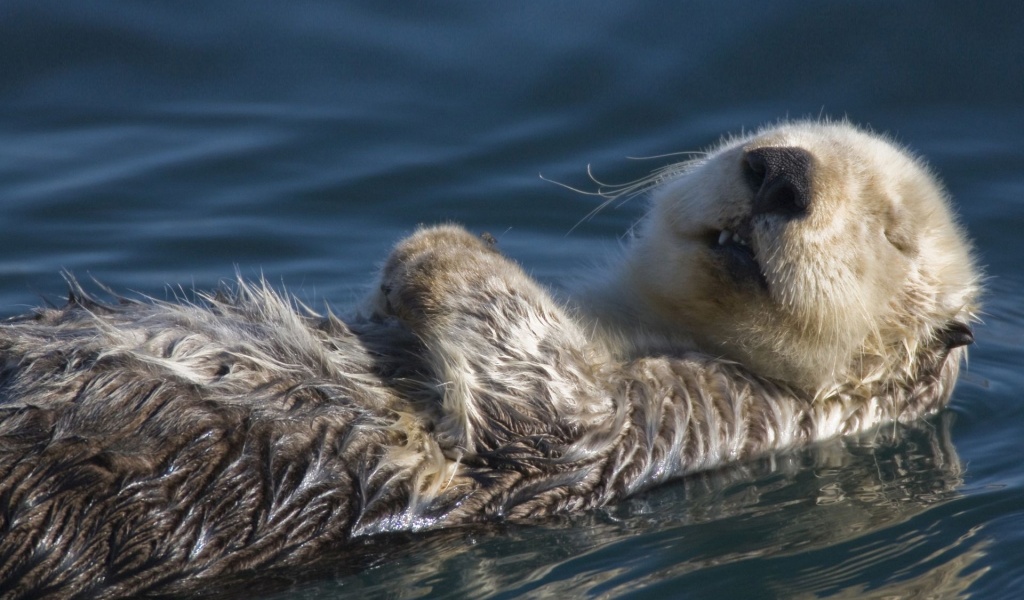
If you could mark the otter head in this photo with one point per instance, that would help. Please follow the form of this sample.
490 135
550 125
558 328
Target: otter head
814 253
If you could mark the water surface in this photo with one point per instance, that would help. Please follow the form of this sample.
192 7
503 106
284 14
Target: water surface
153 145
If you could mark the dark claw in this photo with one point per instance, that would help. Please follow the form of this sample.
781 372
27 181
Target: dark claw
957 334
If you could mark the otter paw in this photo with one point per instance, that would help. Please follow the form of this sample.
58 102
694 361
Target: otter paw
429 273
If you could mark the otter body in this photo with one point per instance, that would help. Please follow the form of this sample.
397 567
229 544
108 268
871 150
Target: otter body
149 446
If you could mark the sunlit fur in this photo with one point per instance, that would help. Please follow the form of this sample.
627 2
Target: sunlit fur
877 266
150 446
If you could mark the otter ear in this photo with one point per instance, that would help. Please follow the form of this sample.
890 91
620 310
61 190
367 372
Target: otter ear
900 232
956 334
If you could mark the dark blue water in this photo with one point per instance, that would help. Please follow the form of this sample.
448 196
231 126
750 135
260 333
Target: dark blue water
159 143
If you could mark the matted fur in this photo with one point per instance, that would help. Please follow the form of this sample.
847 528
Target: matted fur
149 446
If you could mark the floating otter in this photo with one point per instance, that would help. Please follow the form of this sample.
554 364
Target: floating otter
800 283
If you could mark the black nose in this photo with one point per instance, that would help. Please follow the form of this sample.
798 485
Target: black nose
780 179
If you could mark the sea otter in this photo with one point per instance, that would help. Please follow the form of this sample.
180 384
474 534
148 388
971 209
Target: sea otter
799 283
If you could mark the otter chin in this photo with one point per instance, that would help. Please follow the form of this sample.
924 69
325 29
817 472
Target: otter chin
800 283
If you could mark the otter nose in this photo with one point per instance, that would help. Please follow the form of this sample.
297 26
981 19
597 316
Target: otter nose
780 179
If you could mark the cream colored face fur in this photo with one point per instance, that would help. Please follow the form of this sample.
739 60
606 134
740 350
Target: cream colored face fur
837 277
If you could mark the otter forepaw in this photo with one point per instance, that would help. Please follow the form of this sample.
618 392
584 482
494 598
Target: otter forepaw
433 271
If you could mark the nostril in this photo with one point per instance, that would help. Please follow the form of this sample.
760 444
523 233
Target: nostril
754 170
780 179
781 197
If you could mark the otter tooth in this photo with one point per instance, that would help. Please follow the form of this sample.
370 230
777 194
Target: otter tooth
724 237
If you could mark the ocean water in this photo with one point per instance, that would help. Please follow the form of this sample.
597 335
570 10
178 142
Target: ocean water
164 144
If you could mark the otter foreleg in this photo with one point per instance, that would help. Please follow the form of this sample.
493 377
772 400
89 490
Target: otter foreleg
509 360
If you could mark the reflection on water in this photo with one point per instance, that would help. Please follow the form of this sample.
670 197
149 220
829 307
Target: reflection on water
948 573
753 528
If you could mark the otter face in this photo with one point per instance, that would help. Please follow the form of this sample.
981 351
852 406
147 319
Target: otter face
805 251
